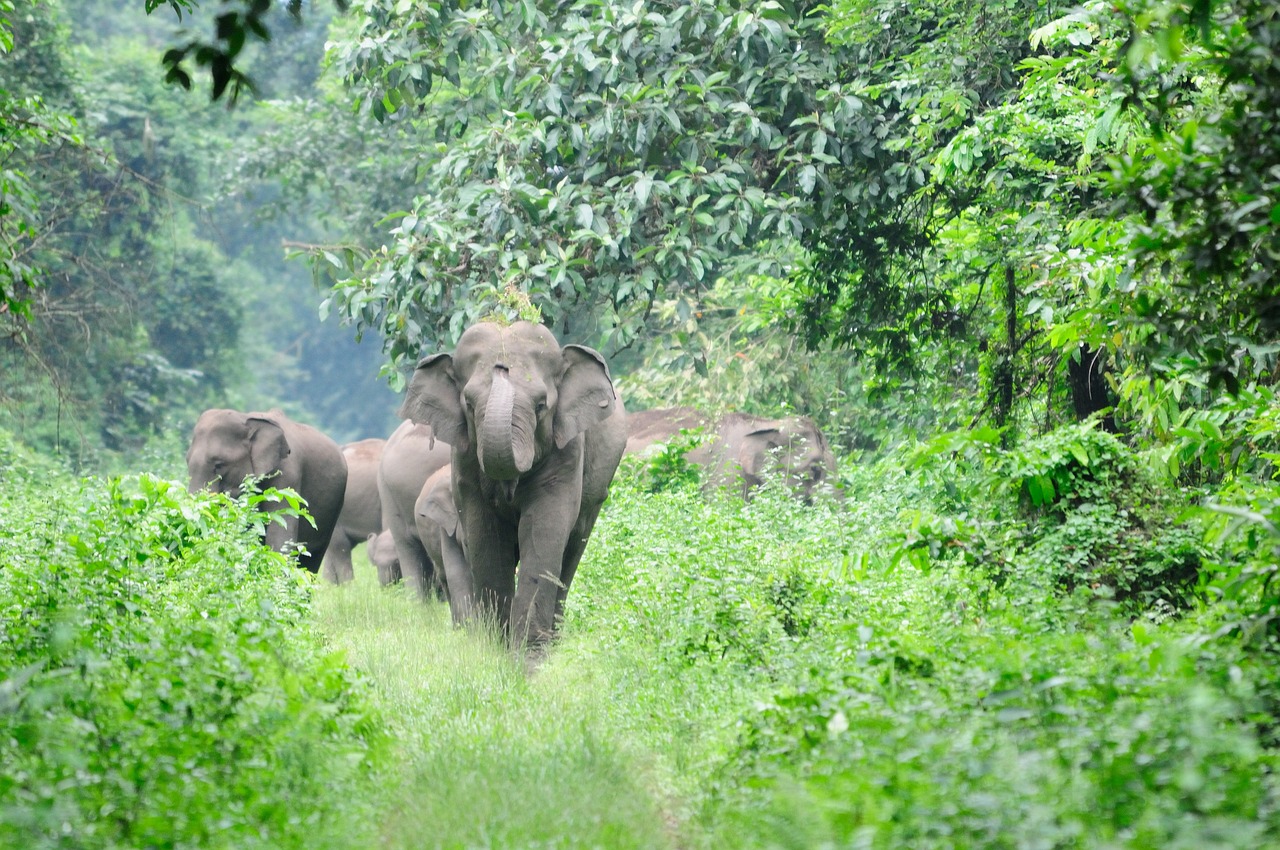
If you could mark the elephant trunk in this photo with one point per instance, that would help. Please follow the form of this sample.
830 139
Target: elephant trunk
506 441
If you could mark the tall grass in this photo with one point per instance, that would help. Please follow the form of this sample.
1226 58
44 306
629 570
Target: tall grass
486 756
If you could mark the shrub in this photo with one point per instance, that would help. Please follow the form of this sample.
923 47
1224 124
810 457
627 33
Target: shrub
165 687
1073 508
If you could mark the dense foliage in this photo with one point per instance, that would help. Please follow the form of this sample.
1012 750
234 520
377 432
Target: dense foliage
164 681
137 287
1017 258
821 685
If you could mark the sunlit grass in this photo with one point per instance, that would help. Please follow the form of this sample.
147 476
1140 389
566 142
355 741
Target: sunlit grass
487 757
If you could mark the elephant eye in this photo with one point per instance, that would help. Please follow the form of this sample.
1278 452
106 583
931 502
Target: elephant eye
540 407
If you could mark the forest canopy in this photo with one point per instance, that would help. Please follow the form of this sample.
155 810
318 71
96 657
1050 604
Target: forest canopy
1064 209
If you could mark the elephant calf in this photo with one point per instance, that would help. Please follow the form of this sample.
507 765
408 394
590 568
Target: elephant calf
381 551
361 513
440 531
227 446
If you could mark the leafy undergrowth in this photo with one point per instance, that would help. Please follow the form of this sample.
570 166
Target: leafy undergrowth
802 687
763 676
164 685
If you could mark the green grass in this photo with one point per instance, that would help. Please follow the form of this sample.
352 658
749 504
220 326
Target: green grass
767 676
486 756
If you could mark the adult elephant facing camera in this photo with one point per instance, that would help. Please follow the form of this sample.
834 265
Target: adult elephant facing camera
228 445
537 433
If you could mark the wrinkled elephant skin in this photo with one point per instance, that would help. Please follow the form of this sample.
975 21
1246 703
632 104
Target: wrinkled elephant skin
537 432
228 445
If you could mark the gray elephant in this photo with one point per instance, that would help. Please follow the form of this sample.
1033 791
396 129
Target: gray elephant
380 548
747 448
537 433
440 531
646 427
411 455
741 449
361 508
228 445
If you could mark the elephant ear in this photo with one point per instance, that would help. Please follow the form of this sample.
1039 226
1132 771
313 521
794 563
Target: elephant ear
756 447
434 398
268 446
440 508
585 393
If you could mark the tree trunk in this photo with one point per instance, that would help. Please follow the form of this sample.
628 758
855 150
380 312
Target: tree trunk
1086 377
1004 370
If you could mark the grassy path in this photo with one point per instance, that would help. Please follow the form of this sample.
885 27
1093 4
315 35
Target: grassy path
485 756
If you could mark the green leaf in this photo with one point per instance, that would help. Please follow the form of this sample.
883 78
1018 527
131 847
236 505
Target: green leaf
1079 453
643 185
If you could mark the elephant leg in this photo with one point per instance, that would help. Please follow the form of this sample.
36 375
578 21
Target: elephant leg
492 550
281 532
573 552
457 573
415 565
314 557
337 567
542 550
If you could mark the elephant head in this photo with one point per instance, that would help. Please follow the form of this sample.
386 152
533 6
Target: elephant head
381 551
510 396
792 446
228 445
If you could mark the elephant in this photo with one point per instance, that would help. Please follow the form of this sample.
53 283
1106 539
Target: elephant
411 455
741 448
228 445
537 433
381 551
748 447
646 427
361 508
436 515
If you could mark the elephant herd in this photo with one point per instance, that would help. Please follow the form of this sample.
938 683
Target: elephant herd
487 493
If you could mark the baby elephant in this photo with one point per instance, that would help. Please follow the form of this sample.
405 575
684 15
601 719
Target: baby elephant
228 445
436 516
381 550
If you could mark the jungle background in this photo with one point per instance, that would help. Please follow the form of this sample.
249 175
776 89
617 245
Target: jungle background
1018 259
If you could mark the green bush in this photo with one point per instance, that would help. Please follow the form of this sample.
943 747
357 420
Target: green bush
811 690
165 686
1073 508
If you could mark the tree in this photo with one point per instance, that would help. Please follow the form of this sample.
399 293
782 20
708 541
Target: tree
237 23
1204 188
595 155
